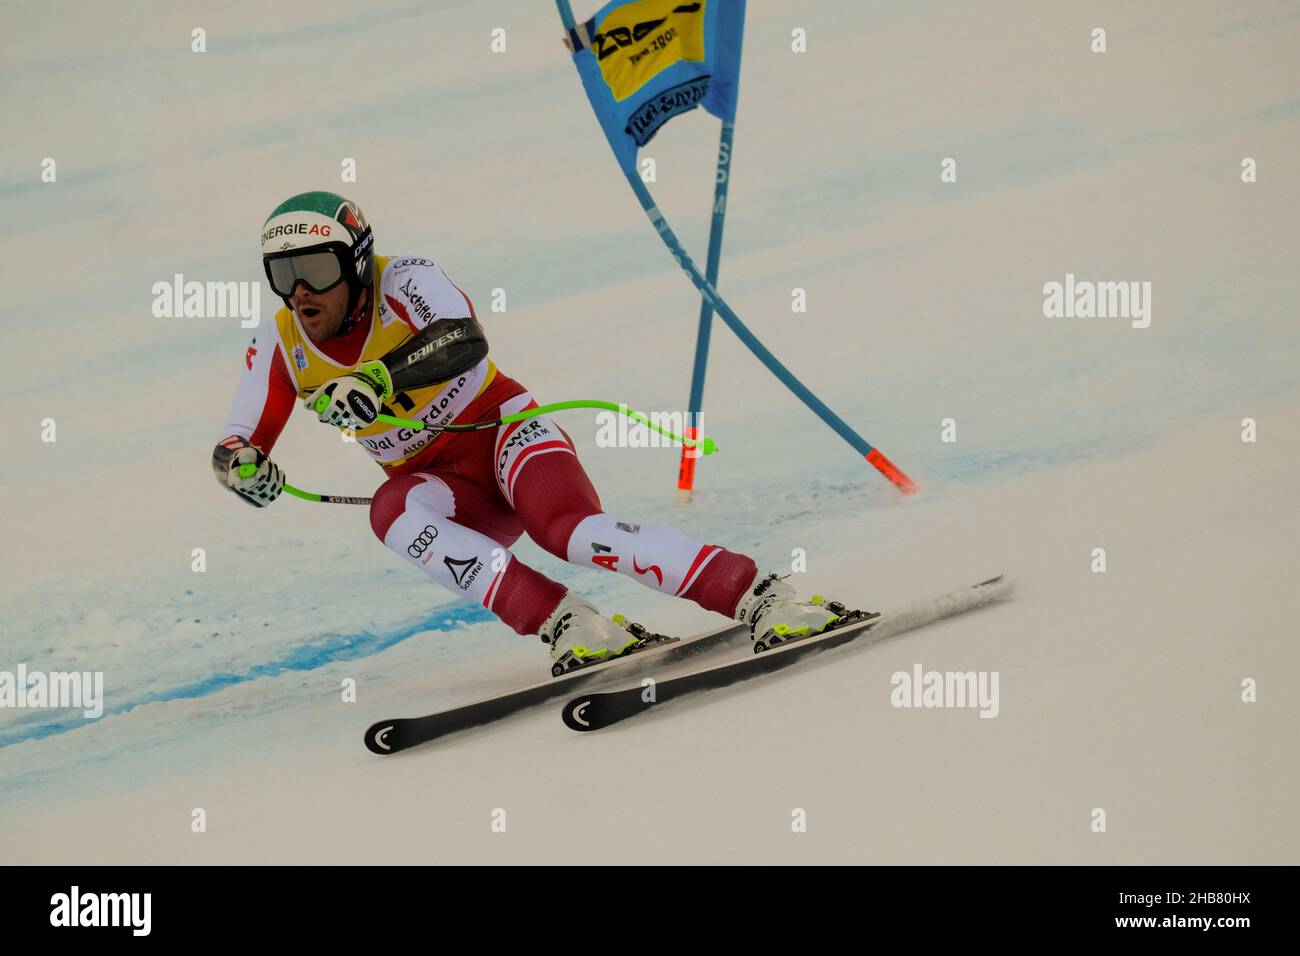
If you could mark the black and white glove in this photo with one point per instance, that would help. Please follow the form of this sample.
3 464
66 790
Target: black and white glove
352 400
247 472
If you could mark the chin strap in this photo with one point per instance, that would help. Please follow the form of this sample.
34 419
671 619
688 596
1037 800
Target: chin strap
355 311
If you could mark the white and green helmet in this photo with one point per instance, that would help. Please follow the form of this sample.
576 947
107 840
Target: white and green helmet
319 239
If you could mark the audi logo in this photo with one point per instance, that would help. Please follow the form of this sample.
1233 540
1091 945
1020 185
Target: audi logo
422 541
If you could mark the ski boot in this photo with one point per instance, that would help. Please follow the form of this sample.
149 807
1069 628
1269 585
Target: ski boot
580 635
776 615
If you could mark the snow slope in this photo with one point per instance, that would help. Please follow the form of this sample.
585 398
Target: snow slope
1119 690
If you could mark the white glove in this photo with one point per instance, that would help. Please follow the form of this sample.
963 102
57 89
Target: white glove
352 400
247 472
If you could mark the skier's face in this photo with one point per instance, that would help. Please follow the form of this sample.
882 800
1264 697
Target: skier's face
321 313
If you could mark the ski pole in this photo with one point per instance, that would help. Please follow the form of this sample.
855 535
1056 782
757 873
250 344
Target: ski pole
707 446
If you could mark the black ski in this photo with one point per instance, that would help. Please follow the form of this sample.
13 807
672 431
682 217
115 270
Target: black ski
389 736
596 710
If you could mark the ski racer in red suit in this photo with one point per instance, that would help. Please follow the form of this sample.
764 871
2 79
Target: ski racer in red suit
394 335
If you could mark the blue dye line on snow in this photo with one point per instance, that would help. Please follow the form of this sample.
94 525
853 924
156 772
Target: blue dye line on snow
303 657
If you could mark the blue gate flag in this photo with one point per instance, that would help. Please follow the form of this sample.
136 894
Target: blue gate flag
645 61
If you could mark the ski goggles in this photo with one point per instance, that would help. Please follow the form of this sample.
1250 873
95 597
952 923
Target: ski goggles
318 269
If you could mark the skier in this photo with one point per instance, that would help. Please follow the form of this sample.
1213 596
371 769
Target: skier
394 335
